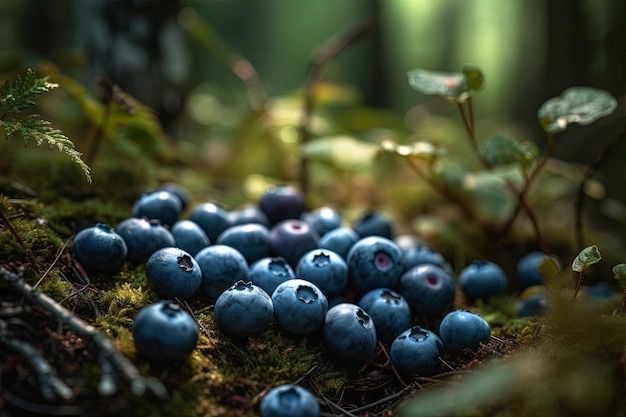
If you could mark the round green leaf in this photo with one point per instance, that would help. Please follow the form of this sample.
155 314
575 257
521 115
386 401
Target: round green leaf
344 152
620 274
445 84
587 257
582 105
501 150
474 76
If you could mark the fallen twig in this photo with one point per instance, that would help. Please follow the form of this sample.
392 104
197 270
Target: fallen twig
112 362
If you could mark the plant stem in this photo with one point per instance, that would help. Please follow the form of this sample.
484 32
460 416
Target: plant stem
621 310
579 283
20 241
321 56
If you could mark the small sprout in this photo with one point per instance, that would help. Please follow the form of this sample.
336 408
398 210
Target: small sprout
582 105
619 272
587 257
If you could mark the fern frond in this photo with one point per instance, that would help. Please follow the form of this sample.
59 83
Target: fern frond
16 95
42 132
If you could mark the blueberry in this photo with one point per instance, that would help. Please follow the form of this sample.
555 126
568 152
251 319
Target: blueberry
221 267
536 304
100 249
527 272
173 273
323 219
374 262
143 237
163 206
482 280
164 332
389 310
251 240
460 330
289 400
349 334
281 202
178 191
299 306
373 224
270 272
339 240
429 289
244 310
416 351
189 236
324 268
422 255
212 218
248 214
291 239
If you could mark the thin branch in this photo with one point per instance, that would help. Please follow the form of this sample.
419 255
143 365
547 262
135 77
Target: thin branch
111 360
20 242
590 172
322 55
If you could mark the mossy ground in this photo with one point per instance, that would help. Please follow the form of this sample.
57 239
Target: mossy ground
227 377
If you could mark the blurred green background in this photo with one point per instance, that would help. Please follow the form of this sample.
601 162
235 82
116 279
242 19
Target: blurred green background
188 61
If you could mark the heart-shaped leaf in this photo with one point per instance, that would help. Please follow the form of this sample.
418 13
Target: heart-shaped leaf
587 257
619 271
501 150
582 105
419 150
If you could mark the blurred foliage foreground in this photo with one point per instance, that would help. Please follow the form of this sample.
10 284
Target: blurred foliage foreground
468 197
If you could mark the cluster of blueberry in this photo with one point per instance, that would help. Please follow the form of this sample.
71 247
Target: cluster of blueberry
274 261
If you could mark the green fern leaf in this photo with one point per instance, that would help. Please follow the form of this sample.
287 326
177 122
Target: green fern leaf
16 96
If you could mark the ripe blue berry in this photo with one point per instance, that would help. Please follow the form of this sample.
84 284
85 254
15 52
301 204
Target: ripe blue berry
429 289
339 240
389 310
251 240
99 249
289 400
173 273
178 191
323 219
349 334
221 267
163 206
422 255
460 330
143 237
164 332
535 304
527 272
374 262
299 306
212 218
189 236
291 239
248 214
281 202
373 224
482 280
244 310
270 272
416 351
324 268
